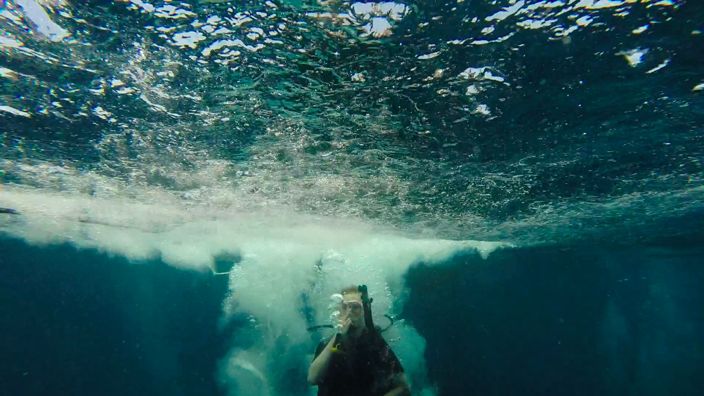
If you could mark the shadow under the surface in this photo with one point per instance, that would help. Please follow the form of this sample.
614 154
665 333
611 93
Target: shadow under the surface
564 321
83 323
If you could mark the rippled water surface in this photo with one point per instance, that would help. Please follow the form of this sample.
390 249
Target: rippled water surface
513 120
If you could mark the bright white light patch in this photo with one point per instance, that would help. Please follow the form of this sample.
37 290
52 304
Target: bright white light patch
472 90
188 39
535 23
378 27
634 57
41 20
14 111
482 109
145 6
598 4
658 67
480 73
358 77
429 56
640 29
217 45
584 21
395 11
8 73
10 42
171 12
506 12
126 91
102 113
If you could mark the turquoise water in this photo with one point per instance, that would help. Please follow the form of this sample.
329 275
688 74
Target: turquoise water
186 182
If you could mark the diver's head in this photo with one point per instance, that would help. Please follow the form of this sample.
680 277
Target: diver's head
351 306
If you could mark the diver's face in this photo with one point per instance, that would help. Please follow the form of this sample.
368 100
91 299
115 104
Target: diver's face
352 308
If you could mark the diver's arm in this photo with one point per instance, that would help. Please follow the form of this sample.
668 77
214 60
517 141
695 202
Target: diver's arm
401 386
320 364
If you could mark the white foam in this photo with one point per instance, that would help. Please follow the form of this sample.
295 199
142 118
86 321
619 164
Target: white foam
283 256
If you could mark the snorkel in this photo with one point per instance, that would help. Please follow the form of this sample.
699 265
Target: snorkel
367 305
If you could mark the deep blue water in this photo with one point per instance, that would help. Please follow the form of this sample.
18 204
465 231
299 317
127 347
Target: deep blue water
84 323
577 320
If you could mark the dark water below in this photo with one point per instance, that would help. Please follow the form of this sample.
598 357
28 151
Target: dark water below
565 321
579 320
81 323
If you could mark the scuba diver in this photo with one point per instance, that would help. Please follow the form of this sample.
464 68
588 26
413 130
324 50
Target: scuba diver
356 361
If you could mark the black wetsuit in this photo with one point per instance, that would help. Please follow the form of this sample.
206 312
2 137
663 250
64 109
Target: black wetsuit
363 366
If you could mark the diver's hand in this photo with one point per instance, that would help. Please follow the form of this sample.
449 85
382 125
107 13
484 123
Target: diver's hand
344 326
